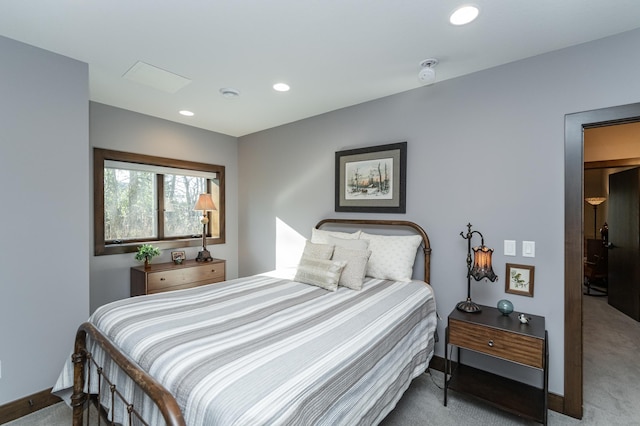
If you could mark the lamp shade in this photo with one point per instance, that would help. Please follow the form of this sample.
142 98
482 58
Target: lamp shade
595 201
205 203
482 264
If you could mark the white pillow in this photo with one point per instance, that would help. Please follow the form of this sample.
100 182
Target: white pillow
391 257
356 266
321 236
320 272
317 251
348 243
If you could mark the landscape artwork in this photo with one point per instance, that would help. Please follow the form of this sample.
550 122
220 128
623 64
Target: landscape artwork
366 180
372 179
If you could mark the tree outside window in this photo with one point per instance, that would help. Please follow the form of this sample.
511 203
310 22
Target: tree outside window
144 199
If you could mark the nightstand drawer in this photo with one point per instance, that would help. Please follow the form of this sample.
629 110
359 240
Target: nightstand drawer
507 345
162 280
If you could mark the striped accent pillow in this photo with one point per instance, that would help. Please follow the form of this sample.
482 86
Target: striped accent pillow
320 272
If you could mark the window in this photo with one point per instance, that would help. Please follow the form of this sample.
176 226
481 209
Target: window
144 199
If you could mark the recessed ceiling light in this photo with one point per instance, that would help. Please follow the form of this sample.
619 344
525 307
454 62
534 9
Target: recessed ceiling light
186 113
464 15
281 87
230 92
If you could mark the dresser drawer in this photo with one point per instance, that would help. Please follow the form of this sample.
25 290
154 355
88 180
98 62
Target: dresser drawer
169 276
507 345
185 277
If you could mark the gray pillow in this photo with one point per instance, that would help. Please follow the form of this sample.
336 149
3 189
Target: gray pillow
356 266
348 243
317 251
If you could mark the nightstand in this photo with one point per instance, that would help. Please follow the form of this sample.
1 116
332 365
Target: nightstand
504 337
169 276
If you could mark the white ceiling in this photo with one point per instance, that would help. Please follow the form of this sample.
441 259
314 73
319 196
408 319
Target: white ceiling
333 53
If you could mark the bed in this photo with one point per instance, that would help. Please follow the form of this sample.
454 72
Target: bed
292 348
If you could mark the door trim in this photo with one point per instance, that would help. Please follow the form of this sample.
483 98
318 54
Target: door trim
573 241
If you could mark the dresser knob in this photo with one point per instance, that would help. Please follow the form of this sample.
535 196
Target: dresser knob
162 279
213 270
490 343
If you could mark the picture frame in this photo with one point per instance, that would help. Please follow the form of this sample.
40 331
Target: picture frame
371 179
178 256
519 279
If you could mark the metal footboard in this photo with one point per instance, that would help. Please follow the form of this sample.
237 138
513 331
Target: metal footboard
82 372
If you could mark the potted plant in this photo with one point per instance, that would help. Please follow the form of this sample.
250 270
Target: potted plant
146 252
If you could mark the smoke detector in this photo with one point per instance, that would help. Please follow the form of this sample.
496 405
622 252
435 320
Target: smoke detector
427 74
229 92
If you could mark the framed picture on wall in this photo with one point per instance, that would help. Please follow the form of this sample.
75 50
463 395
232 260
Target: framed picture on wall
372 179
519 279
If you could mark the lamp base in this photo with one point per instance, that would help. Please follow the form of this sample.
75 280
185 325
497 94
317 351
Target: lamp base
204 256
468 306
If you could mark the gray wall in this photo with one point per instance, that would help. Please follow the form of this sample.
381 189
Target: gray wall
44 220
487 148
122 130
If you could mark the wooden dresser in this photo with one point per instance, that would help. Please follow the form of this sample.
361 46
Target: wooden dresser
503 337
169 276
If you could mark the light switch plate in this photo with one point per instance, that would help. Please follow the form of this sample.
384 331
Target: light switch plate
509 247
529 249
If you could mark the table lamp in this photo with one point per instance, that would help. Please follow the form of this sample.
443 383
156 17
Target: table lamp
204 203
481 268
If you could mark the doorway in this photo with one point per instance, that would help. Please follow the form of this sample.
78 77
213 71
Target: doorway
574 248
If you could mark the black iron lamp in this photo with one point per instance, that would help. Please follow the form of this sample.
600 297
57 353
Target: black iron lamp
481 268
204 203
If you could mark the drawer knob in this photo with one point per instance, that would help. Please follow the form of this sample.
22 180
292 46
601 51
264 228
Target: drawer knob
490 343
162 279
213 270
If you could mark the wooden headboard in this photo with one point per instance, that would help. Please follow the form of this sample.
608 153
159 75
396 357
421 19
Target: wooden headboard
426 247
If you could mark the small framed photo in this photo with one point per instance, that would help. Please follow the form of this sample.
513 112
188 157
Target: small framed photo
178 256
519 279
372 179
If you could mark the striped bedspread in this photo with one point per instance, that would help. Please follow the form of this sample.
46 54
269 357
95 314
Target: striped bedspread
268 351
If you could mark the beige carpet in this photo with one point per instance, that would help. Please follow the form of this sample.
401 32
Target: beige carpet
611 385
